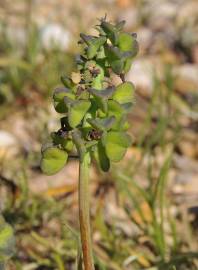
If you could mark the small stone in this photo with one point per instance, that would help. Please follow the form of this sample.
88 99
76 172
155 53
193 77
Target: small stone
9 145
54 35
7 139
145 38
141 73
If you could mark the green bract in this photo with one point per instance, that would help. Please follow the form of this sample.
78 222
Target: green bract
116 144
124 93
53 160
77 111
94 110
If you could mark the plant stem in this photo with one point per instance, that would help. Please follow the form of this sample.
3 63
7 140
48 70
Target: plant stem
84 215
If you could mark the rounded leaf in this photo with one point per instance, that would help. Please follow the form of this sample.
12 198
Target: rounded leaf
53 160
59 95
77 111
61 92
116 144
124 93
126 42
116 110
102 124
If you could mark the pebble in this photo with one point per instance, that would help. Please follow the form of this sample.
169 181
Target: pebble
7 139
142 71
9 145
55 35
145 38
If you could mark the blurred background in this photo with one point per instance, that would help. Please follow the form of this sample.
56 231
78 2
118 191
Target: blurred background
145 210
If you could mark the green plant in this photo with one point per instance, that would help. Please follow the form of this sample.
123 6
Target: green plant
95 112
7 242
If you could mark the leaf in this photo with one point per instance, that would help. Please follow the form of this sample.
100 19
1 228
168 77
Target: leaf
7 240
86 38
77 111
127 65
112 53
61 92
101 97
98 80
116 144
117 66
110 31
105 93
102 157
99 41
124 93
53 160
67 82
102 124
94 46
116 110
126 42
59 95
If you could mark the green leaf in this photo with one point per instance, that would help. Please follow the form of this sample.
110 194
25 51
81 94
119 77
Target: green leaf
102 157
116 144
124 93
117 66
99 41
59 95
104 94
112 53
127 65
77 111
86 38
126 42
91 51
7 240
53 160
110 30
102 124
98 80
101 96
94 46
61 92
127 107
116 110
67 82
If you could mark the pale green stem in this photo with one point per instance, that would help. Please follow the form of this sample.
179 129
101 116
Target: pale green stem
84 213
